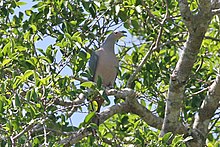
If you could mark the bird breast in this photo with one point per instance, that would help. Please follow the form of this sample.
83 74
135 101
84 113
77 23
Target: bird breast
107 67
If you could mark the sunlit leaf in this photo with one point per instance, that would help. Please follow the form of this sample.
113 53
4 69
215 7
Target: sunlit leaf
27 74
87 84
89 117
5 62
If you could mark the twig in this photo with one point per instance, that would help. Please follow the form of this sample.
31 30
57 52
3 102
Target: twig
29 127
212 38
138 69
216 11
213 125
198 92
154 47
79 79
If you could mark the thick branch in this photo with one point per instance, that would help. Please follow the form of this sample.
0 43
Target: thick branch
197 28
205 6
131 105
209 106
185 12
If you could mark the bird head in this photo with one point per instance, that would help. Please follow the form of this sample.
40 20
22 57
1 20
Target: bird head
112 38
118 35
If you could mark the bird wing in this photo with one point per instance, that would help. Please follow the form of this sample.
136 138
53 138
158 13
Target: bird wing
93 64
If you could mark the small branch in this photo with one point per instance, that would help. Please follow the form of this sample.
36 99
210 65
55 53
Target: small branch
45 135
209 106
150 13
216 12
171 42
213 125
76 137
154 47
79 79
140 66
212 38
75 103
26 129
198 92
215 4
206 112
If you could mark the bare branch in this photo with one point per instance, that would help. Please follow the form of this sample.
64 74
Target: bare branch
79 79
209 106
138 69
76 137
197 28
78 101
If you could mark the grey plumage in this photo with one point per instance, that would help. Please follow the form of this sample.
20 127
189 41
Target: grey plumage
103 62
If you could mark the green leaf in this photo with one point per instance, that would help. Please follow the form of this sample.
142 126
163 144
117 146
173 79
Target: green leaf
34 28
104 95
5 62
99 82
20 3
167 137
7 48
27 74
88 84
135 24
17 100
1 104
89 117
28 95
17 82
28 12
94 106
150 106
33 95
122 15
92 10
143 103
68 36
76 37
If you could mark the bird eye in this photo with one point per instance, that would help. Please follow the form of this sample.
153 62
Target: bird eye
116 32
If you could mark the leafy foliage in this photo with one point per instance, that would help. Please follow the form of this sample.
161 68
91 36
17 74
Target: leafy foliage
32 81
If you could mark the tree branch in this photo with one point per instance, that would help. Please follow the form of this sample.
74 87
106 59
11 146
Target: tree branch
207 110
197 28
216 11
154 47
138 69
215 4
185 12
130 105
